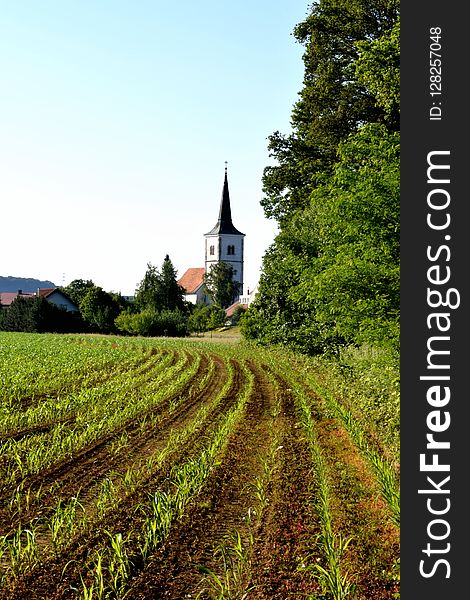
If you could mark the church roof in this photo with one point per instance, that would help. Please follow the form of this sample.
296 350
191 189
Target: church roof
232 308
192 279
224 223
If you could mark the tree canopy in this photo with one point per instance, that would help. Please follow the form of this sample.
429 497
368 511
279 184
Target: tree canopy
331 277
160 308
159 289
345 42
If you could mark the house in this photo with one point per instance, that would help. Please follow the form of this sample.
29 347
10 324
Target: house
230 311
192 283
249 297
6 298
243 301
59 298
53 295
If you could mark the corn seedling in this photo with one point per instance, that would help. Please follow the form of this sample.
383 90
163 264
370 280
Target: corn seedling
333 545
64 522
231 584
118 564
23 551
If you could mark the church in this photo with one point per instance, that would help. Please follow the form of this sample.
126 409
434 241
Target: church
224 242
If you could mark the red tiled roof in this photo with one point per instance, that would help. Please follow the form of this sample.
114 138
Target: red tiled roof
192 279
231 309
45 291
6 298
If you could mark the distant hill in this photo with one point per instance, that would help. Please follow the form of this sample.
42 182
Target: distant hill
26 284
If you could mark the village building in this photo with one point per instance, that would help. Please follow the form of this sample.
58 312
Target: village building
53 295
193 284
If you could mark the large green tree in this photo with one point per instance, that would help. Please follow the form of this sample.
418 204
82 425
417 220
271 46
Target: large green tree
77 289
331 276
221 286
99 309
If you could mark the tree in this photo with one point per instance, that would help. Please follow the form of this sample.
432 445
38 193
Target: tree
77 289
331 277
171 293
36 314
205 318
238 314
99 310
220 284
147 293
160 304
378 69
159 290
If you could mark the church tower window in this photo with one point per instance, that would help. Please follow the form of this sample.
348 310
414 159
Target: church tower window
212 250
231 249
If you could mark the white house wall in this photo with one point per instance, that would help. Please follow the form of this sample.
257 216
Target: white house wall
61 301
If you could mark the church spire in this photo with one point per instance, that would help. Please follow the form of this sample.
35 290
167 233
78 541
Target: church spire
224 222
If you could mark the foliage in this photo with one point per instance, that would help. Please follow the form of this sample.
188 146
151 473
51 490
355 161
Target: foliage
159 290
36 314
77 289
238 315
205 318
159 308
99 309
221 286
378 68
333 102
149 322
331 277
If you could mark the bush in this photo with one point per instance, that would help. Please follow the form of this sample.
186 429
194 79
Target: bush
204 318
148 322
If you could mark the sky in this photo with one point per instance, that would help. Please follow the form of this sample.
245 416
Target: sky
117 117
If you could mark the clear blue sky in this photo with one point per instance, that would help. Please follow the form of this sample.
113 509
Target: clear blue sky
116 120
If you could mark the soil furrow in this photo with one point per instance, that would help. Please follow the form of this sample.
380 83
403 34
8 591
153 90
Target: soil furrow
289 523
218 511
361 515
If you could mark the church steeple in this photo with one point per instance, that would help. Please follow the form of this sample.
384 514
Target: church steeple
224 243
224 223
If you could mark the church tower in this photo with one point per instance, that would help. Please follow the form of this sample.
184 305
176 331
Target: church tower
224 242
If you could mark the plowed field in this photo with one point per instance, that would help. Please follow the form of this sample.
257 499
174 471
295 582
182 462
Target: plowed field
181 469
